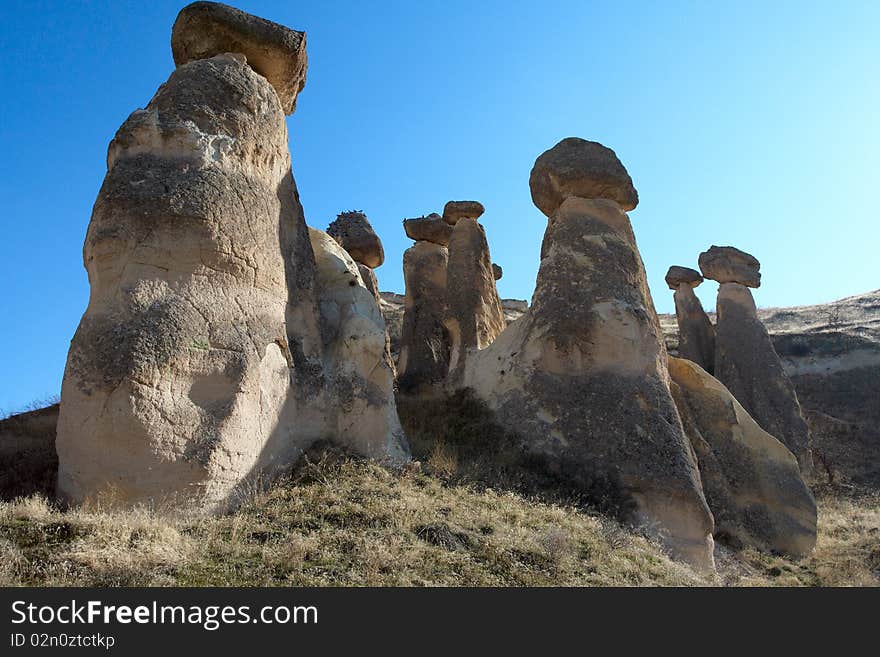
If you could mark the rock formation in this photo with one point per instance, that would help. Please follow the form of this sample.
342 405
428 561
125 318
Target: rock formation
583 169
431 228
424 340
745 361
497 271
696 340
353 232
752 482
355 343
205 29
474 317
198 365
580 379
455 210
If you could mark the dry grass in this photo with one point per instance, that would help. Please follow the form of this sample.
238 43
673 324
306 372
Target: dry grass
346 523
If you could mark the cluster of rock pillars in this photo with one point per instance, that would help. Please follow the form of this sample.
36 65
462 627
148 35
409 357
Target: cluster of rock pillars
223 337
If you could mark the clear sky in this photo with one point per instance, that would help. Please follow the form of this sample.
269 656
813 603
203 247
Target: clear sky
746 123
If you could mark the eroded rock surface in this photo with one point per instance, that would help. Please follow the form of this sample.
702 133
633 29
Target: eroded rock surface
455 210
431 228
581 378
424 341
474 317
746 362
352 230
752 482
727 264
696 333
178 378
206 29
580 168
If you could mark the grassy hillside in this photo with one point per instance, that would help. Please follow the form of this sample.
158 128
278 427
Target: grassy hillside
343 522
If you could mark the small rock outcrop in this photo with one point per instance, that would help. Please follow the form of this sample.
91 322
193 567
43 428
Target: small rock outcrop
424 340
497 271
28 461
353 232
752 482
360 380
474 317
431 228
205 29
583 169
747 363
727 264
696 335
455 210
580 379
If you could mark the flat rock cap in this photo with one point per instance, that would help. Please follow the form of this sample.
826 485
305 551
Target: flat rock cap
205 29
353 232
455 210
682 275
727 264
577 167
429 229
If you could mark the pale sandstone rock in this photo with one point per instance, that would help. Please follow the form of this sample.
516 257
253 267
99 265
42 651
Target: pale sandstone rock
178 381
696 341
474 317
455 210
368 276
581 380
747 363
431 229
360 381
727 264
585 169
424 341
206 29
752 481
352 230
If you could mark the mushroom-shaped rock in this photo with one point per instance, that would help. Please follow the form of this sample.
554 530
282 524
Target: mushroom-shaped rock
353 232
431 228
752 481
205 29
497 271
577 167
581 381
682 276
727 264
455 210
178 380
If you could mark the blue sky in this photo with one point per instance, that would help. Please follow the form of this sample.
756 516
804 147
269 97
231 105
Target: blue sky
744 123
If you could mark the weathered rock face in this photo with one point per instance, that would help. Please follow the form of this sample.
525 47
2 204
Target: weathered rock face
424 341
178 379
206 29
352 230
696 333
696 340
581 380
455 210
727 264
580 168
497 271
431 229
474 317
360 381
747 364
752 481
368 276
682 276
